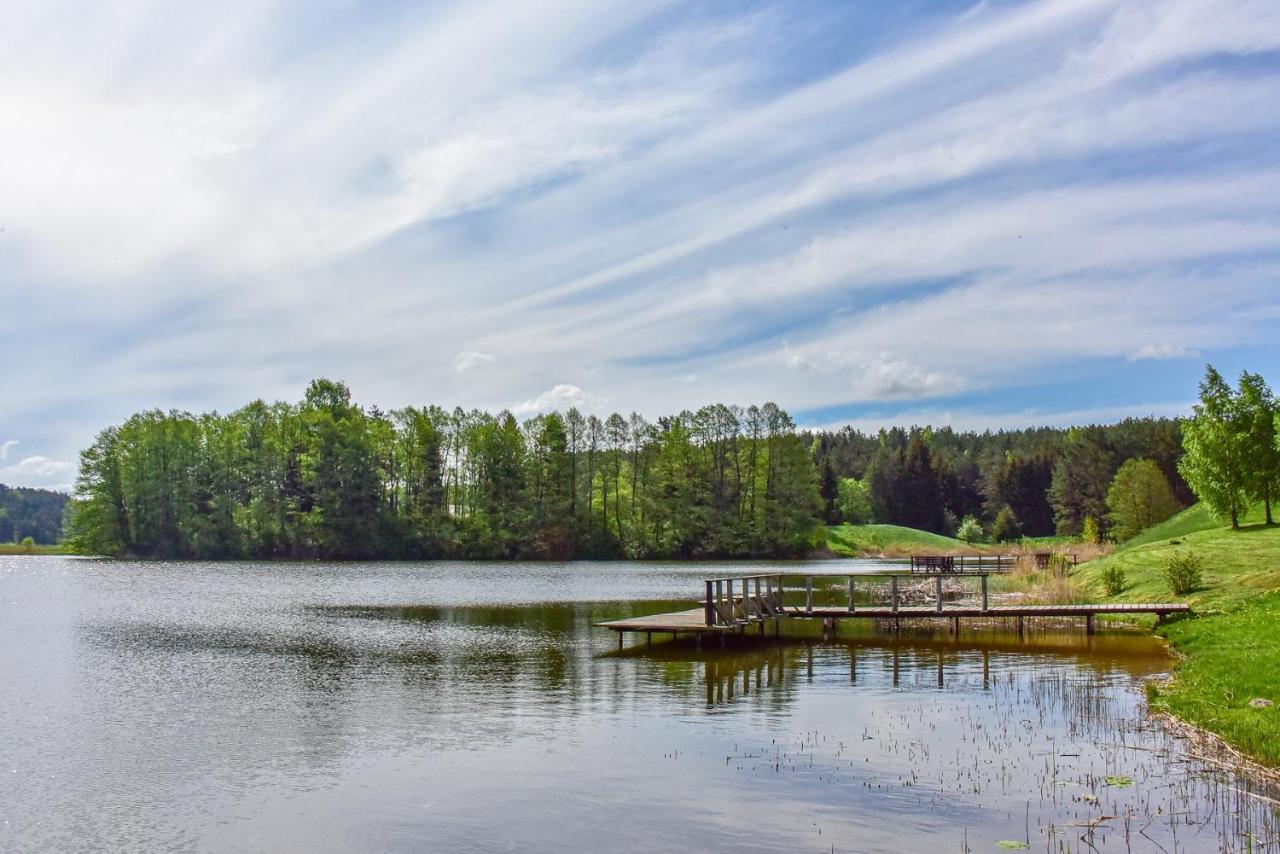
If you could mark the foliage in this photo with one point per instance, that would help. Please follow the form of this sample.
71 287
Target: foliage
854 501
1216 442
1006 528
1091 532
1183 572
970 530
1258 414
35 513
328 478
977 474
1081 477
1139 498
1113 580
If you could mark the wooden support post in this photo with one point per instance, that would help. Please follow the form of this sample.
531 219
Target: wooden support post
984 593
719 600
852 602
938 587
893 596
619 640
955 626
648 638
709 606
733 609
748 606
1088 624
808 594
697 641
1020 627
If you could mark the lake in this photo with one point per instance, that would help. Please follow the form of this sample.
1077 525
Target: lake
408 707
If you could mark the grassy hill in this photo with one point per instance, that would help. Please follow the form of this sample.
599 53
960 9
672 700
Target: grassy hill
893 540
1231 645
1192 520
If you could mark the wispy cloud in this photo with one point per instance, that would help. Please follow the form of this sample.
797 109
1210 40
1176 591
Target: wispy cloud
494 205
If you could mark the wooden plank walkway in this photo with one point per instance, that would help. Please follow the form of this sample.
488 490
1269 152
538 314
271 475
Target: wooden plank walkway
730 605
693 621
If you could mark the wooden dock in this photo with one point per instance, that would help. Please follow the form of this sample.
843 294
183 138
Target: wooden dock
762 599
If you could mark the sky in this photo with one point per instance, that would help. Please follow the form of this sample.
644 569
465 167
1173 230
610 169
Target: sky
985 215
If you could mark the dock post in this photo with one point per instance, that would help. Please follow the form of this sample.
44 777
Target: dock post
955 626
619 640
893 598
1021 628
733 611
1089 627
984 593
851 599
708 606
719 599
808 594
648 638
938 586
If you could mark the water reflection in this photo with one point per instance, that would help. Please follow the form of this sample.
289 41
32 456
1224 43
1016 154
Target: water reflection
311 708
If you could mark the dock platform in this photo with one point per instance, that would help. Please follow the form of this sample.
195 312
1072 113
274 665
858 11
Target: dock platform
724 612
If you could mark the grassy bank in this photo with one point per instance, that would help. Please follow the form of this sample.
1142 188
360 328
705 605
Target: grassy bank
891 541
1231 645
20 549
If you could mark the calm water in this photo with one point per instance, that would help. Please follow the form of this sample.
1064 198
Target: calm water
447 706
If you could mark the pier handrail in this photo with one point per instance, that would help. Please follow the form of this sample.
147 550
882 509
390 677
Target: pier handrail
760 596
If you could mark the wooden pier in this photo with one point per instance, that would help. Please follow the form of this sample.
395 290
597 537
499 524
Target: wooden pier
731 606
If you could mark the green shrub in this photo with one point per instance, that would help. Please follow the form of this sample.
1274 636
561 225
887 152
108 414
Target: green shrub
29 544
1005 528
1183 573
1090 532
1113 579
970 530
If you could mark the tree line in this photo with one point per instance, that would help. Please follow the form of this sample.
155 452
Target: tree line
326 478
1009 483
34 513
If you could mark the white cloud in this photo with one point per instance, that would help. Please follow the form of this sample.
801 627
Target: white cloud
36 467
469 359
5 446
562 397
1162 351
632 197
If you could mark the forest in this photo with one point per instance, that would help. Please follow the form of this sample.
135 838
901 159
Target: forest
34 513
329 478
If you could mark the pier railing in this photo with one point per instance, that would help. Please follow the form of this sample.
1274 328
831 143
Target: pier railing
741 599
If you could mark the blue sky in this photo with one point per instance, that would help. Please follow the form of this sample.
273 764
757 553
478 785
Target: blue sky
986 215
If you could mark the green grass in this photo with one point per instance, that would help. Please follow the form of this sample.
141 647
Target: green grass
19 549
1231 643
858 540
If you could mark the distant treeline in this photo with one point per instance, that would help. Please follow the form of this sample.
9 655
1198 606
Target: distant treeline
327 478
1035 482
34 513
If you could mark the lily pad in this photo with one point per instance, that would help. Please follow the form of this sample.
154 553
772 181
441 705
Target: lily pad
1013 845
1120 781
